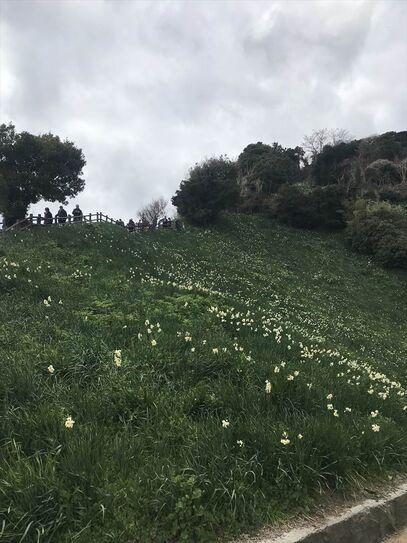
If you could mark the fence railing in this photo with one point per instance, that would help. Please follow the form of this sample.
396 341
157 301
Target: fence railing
77 219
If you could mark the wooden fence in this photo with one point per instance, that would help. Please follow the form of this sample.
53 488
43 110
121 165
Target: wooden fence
70 219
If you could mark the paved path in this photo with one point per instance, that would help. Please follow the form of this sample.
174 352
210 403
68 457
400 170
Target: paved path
400 537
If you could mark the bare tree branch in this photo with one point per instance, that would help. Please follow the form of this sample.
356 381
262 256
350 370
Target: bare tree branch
153 211
314 143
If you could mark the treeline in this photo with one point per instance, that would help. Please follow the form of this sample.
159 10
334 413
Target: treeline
331 182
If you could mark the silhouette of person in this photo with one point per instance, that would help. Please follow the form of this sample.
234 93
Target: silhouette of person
77 214
131 225
62 215
47 216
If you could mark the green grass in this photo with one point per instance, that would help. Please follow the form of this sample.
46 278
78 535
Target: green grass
203 319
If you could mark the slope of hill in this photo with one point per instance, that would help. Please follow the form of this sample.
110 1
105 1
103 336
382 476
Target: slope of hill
258 366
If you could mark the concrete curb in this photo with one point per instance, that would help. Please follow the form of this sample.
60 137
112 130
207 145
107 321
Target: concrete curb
369 522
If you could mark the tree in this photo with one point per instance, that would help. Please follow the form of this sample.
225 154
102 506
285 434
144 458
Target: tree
153 211
403 170
383 172
333 164
264 168
349 164
210 188
315 142
34 168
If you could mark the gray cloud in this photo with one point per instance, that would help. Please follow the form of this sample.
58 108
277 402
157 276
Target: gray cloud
149 88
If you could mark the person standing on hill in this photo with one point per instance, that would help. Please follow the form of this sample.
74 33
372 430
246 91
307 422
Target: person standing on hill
62 215
77 214
131 225
47 216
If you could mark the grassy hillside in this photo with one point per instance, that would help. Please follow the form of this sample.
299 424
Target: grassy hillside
178 437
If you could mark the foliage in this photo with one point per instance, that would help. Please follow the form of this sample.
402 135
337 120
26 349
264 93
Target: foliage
347 163
379 229
394 194
321 207
210 188
383 172
390 146
34 168
402 165
264 168
334 163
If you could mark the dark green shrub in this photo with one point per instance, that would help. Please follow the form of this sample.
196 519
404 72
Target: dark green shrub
379 229
294 206
255 204
329 202
396 194
321 207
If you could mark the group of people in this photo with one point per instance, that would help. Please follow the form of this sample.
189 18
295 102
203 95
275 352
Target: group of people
144 223
61 216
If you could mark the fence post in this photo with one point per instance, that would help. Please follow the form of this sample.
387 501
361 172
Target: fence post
30 218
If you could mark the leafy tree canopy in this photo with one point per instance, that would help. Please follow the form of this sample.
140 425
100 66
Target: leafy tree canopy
267 167
343 161
383 172
332 163
34 168
210 188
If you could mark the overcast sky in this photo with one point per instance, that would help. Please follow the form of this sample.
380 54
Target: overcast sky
147 89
